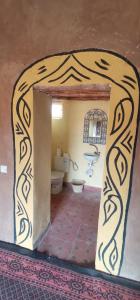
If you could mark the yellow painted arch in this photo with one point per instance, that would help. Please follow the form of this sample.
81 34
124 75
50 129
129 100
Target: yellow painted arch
84 67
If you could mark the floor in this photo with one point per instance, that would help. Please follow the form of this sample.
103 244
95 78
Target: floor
25 274
72 234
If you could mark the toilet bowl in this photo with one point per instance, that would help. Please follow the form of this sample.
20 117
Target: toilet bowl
61 167
56 182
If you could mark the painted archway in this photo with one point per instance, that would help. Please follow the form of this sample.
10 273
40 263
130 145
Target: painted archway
67 69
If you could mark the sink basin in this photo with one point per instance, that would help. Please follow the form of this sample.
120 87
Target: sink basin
92 156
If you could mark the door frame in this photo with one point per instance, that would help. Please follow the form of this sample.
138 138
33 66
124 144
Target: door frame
89 66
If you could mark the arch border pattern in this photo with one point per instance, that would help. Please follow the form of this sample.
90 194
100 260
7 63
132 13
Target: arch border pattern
85 67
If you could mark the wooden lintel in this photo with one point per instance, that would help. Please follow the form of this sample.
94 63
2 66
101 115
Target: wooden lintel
80 92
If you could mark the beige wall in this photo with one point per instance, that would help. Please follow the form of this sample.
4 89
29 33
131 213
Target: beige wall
132 248
82 24
68 132
42 164
77 148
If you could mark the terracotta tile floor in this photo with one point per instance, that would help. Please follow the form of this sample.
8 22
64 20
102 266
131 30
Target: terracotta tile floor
73 230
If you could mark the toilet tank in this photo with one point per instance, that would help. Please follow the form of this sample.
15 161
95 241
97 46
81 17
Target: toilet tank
61 163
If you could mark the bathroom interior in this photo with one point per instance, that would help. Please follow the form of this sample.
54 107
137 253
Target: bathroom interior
78 150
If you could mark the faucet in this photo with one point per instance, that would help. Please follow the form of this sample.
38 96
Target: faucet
97 151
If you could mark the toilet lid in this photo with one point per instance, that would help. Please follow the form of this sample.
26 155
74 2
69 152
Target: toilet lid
57 174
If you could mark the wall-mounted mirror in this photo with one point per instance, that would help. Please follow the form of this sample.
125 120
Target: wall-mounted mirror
95 127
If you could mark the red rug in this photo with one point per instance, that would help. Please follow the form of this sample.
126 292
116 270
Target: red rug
23 277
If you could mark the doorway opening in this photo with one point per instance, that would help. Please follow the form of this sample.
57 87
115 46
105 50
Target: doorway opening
82 67
76 179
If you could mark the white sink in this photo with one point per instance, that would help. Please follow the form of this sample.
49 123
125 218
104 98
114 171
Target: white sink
92 156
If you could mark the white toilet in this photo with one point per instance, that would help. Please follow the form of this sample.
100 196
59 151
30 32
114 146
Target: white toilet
61 166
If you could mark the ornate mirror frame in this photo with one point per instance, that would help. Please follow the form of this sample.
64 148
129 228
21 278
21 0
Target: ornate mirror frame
67 69
90 115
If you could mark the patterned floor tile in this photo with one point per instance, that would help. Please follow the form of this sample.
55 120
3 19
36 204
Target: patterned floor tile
73 231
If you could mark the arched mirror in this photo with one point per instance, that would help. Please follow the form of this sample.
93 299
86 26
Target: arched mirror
95 127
